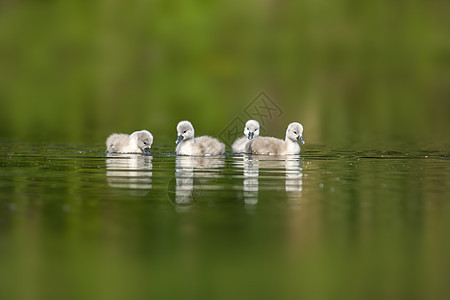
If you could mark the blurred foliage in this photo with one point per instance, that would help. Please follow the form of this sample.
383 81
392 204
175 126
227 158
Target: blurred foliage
350 71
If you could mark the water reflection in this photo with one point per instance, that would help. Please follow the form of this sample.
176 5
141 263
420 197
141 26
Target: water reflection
130 171
294 174
272 166
250 182
356 210
188 168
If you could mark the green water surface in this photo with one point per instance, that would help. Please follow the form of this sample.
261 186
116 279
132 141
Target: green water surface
76 223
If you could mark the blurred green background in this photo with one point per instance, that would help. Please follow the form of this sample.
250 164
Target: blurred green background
370 73
350 71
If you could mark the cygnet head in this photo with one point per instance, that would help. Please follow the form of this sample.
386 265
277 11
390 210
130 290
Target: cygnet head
143 139
185 131
295 132
251 129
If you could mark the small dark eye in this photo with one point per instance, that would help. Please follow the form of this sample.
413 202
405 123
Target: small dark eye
184 131
295 132
145 143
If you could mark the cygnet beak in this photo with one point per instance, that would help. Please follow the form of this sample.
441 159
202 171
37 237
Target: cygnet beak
300 139
147 150
179 139
250 135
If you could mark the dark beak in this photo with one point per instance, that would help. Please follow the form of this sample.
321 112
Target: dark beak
250 135
179 139
300 139
147 150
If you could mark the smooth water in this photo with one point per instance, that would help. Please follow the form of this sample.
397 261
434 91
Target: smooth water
76 223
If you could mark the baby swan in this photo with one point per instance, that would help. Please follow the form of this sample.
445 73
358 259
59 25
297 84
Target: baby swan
137 142
273 146
251 130
199 146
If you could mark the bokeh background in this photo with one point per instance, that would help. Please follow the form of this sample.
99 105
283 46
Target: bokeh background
371 72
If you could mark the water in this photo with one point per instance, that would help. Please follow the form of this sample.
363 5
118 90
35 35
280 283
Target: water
78 224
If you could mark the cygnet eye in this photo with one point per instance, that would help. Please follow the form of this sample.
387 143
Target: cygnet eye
145 143
184 131
295 132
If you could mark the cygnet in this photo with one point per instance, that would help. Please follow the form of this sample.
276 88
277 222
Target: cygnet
251 130
274 146
196 146
137 142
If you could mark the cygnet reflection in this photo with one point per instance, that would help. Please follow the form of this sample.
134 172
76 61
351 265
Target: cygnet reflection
294 174
253 164
188 168
129 171
250 182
